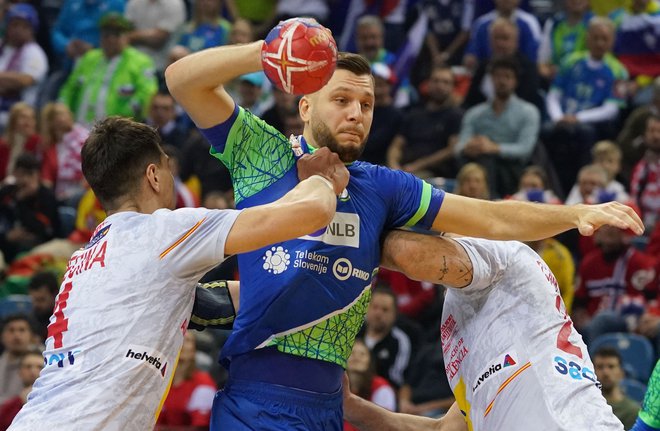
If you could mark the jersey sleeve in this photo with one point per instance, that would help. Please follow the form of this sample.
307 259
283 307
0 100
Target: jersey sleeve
411 201
489 261
194 239
255 153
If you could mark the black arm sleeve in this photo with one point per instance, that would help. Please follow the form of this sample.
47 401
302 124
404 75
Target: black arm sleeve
213 307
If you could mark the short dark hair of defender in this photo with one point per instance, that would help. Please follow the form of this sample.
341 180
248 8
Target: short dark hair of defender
354 63
508 63
116 155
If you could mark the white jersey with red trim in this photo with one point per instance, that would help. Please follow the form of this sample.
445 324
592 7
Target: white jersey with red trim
119 320
512 356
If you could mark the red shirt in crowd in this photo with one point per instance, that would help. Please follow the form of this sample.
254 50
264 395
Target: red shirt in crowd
189 403
645 189
412 296
604 284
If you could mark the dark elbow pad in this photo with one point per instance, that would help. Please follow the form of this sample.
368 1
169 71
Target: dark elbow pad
213 307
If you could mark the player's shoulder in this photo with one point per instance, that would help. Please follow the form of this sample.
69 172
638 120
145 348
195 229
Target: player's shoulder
504 251
378 175
255 124
182 214
379 183
506 246
361 166
366 174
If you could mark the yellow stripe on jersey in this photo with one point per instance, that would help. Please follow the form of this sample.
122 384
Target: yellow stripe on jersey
463 403
505 384
169 384
183 238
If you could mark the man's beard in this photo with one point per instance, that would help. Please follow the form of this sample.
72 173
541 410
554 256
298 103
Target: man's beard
323 138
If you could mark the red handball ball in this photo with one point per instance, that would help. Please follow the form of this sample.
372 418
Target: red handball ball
299 56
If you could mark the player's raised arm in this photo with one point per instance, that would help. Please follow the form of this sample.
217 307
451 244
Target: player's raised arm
298 56
527 221
306 208
196 80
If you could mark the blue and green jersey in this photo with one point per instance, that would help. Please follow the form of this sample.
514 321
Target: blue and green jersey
587 84
650 412
566 38
308 296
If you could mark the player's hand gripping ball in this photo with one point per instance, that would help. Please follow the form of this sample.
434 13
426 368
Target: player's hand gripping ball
299 56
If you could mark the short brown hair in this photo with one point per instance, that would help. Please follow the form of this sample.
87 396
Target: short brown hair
354 63
116 155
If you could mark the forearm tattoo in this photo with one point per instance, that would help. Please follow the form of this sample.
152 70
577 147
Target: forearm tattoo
444 270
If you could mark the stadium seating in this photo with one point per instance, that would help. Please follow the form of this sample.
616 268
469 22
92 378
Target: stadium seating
14 304
634 389
636 352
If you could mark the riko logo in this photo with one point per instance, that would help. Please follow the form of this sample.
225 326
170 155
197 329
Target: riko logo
343 270
277 260
140 353
494 368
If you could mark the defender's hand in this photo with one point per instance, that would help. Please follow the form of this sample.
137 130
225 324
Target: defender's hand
327 164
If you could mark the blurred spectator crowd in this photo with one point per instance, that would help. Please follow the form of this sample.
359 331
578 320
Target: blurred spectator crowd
542 101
